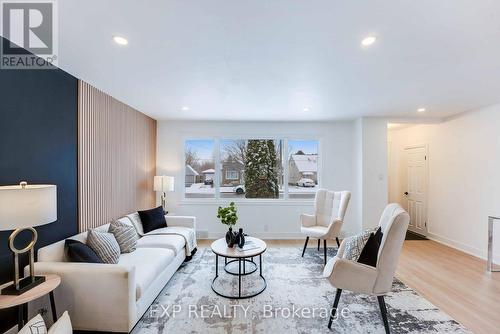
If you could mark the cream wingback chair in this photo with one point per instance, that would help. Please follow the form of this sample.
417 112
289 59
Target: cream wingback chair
330 208
376 281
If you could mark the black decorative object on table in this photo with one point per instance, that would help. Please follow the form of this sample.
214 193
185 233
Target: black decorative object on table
240 238
230 238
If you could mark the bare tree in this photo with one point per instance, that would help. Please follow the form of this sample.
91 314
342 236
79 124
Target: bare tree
237 151
191 158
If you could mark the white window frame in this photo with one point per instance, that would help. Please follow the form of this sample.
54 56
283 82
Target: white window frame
218 171
237 177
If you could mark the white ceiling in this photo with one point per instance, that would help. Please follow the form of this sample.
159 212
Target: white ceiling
268 60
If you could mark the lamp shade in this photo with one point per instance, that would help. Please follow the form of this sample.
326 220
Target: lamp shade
26 205
164 183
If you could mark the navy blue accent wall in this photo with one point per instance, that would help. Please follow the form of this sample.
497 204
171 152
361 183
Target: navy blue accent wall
38 143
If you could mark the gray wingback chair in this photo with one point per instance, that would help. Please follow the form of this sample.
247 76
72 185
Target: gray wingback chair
377 281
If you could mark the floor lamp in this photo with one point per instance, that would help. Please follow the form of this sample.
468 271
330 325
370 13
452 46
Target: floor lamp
23 207
163 184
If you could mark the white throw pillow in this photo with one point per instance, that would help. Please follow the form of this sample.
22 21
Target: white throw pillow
34 326
62 325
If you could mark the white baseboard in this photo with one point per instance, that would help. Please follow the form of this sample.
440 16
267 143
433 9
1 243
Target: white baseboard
261 235
482 254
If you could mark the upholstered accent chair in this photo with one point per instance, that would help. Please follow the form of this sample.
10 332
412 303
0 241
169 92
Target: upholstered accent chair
326 222
377 281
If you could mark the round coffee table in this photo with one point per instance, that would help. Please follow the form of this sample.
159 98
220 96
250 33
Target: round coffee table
244 258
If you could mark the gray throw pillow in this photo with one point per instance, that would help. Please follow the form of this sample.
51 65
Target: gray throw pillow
125 235
104 245
355 244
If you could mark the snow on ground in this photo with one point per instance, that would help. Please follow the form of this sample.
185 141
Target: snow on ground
200 188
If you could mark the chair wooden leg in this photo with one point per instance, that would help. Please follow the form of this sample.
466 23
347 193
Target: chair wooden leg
338 242
383 310
305 245
334 308
324 249
319 242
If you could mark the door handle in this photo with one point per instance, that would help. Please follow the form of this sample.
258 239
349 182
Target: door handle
406 193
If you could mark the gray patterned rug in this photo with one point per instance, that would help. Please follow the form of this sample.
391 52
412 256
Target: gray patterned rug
296 300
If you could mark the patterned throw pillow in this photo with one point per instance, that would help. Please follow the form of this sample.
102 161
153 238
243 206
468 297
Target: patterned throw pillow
354 245
125 235
104 245
34 326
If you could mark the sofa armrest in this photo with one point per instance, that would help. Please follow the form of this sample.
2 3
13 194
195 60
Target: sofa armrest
95 295
185 221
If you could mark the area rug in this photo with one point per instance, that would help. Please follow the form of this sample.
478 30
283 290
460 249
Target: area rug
296 300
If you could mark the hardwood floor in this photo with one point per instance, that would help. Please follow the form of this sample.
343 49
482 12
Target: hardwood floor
454 281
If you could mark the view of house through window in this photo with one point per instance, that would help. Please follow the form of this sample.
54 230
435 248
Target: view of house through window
302 168
251 168
200 168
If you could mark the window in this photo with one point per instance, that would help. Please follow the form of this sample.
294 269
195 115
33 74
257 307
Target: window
232 175
302 168
199 168
251 168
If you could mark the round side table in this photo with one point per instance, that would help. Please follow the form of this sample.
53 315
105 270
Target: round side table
52 281
219 247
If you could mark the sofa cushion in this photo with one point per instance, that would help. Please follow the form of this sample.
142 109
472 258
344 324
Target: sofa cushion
135 220
173 242
125 235
152 219
149 264
105 246
77 251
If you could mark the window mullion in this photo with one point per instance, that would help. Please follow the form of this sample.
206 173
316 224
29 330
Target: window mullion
218 177
285 168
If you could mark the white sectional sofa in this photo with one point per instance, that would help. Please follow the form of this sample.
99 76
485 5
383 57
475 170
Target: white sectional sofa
113 297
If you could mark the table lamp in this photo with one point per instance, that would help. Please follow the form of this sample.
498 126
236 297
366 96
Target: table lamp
21 208
164 183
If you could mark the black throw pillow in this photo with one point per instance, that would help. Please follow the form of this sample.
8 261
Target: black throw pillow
77 251
152 219
369 254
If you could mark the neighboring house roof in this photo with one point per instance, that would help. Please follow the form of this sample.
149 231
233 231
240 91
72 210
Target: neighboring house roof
190 171
306 162
208 171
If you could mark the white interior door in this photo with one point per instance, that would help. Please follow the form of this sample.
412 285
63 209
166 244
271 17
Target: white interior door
415 187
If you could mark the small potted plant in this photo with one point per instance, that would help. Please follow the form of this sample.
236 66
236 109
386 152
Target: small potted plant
228 217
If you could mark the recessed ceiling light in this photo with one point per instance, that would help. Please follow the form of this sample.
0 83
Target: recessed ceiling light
369 40
421 110
120 40
306 109
185 108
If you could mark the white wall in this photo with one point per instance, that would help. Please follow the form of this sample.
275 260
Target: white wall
272 219
464 176
373 170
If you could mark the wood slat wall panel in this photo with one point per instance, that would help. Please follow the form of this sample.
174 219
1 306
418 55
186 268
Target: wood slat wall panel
116 158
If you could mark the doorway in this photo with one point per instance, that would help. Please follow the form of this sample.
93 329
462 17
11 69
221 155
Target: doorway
414 180
408 162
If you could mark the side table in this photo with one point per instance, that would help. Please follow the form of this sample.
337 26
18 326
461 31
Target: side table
52 281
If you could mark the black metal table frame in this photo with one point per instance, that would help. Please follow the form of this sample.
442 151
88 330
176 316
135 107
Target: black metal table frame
22 312
240 260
